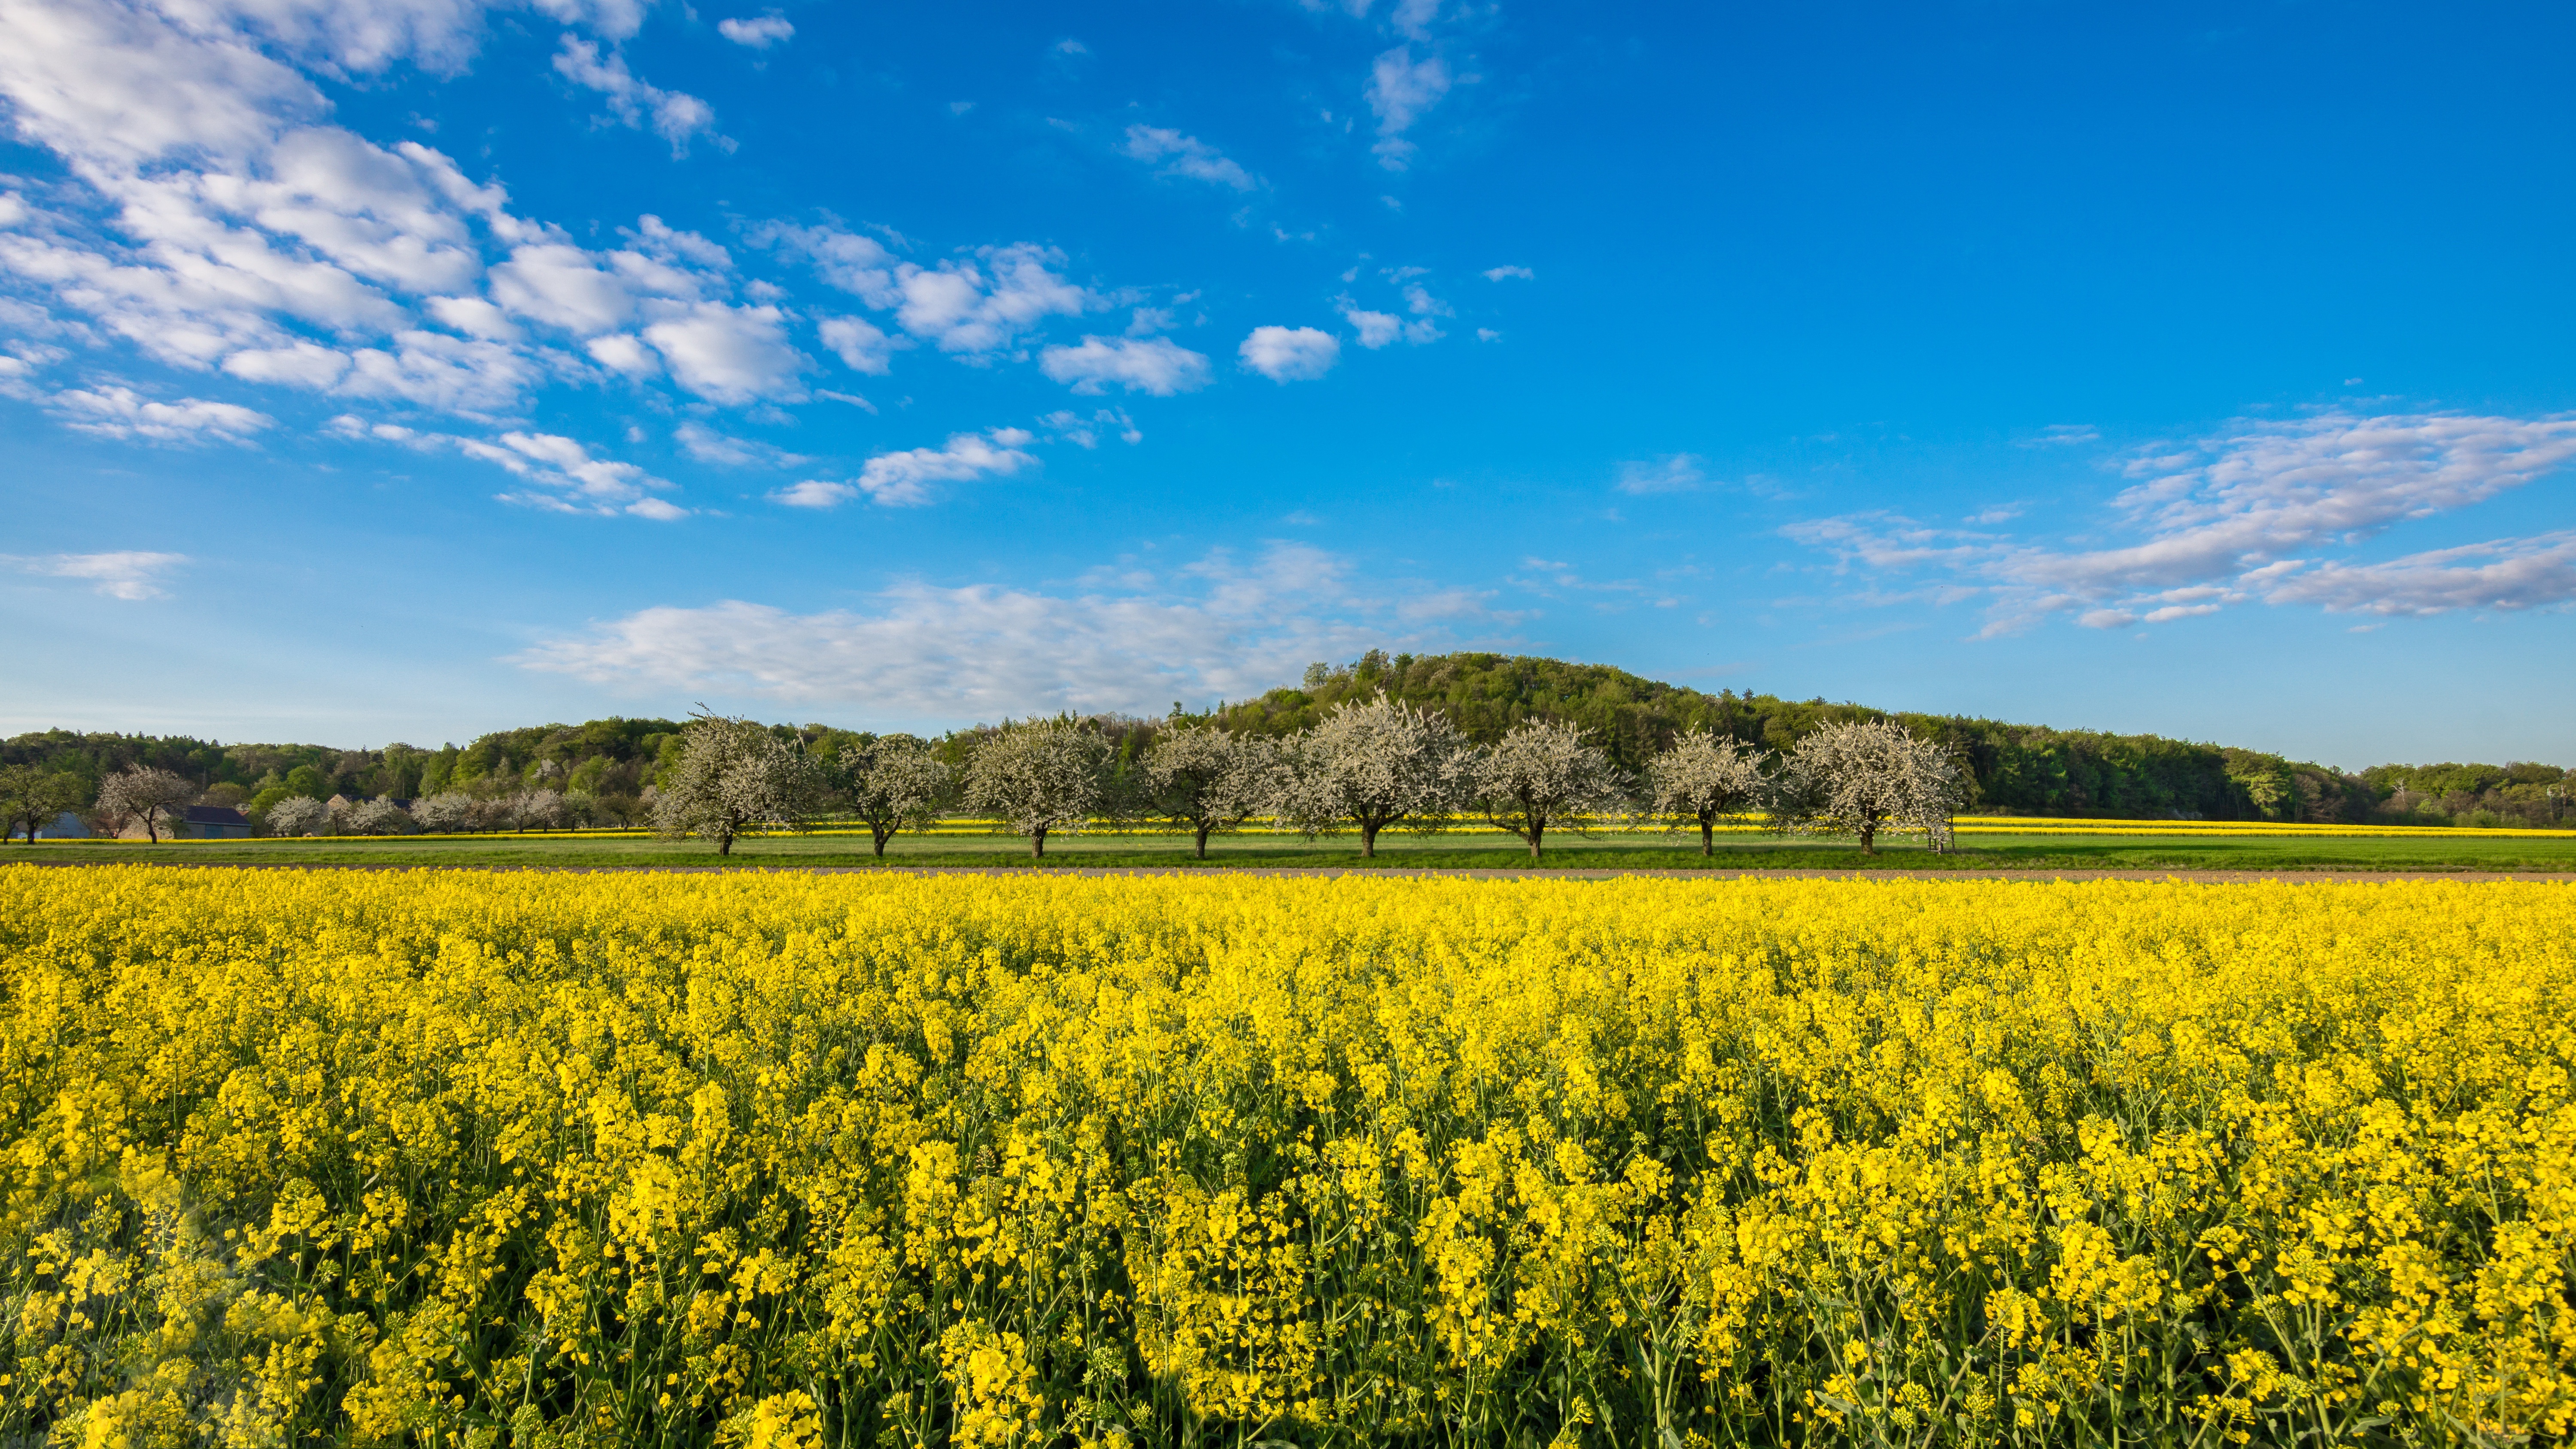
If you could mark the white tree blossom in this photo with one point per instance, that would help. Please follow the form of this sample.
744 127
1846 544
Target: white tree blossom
298 815
1859 779
380 817
733 776
446 812
1041 776
1543 774
1208 779
539 810
892 783
1372 766
1704 777
149 797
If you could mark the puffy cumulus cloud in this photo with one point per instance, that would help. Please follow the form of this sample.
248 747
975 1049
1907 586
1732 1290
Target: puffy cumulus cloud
814 493
975 305
2243 516
1084 432
1155 365
562 474
859 265
728 354
576 481
859 343
132 575
121 412
1179 155
904 479
1222 627
1400 90
985 305
1379 329
1505 274
675 116
759 33
234 228
1290 354
1672 473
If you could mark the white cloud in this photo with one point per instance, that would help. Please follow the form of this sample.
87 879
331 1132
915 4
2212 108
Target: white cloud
856 264
2243 515
1501 274
858 343
475 317
2502 574
579 482
1290 354
452 374
814 493
1413 18
675 116
1185 156
1084 432
561 285
760 34
302 364
131 575
983 306
2058 435
1673 473
1488 334
934 656
1153 365
709 446
728 354
1378 329
904 479
624 352
1400 89
121 412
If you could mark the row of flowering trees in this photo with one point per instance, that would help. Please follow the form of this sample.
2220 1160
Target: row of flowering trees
1367 768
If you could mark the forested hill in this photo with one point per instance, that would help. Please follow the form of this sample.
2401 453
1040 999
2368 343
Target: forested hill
2022 769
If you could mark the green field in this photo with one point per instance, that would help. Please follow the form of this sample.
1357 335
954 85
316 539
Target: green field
1483 849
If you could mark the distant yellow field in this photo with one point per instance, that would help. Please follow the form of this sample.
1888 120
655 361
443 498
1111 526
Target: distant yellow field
535 1158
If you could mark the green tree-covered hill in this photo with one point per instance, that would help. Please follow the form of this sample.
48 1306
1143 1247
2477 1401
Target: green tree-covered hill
2018 768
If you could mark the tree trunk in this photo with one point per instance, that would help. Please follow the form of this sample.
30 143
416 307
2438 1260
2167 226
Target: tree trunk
1537 832
880 833
151 833
1037 843
1868 833
724 843
1707 836
1368 841
1203 834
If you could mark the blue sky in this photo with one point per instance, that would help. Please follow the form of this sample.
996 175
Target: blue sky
402 369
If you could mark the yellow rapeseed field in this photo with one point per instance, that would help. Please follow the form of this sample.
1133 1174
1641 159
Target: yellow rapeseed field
773 1160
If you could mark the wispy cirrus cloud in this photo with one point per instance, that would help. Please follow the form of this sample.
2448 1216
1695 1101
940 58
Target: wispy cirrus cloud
2252 514
1179 155
130 574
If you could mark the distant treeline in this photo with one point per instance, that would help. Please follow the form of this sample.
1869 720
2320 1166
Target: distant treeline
2018 769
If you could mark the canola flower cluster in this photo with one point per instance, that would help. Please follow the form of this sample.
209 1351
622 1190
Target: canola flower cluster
785 1160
